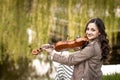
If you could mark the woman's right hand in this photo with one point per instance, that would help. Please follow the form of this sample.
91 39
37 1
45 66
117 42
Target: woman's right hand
48 50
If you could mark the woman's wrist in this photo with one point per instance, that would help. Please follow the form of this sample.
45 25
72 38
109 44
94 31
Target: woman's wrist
52 53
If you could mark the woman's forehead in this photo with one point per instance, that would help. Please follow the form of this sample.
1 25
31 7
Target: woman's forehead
92 25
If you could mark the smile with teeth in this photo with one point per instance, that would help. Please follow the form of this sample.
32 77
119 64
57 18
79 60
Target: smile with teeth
89 35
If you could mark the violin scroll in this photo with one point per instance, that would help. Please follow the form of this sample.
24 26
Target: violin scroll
35 52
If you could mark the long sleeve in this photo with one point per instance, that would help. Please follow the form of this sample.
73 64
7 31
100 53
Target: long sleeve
76 57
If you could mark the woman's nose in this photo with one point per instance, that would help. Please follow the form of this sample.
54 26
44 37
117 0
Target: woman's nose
88 32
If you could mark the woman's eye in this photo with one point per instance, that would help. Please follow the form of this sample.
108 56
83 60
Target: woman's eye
87 29
92 29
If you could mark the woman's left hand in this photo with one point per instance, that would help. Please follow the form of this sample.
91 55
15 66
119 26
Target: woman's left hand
48 50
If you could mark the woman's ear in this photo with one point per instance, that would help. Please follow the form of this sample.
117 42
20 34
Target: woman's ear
99 33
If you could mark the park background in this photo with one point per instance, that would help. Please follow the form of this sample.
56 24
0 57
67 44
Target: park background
27 24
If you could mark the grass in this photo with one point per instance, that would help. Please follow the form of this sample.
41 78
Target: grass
111 77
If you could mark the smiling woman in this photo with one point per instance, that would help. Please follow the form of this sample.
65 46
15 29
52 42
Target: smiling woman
88 60
92 31
71 15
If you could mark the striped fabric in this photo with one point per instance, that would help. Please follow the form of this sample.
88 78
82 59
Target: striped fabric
64 72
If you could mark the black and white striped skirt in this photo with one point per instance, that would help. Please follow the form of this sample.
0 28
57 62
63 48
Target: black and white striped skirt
64 72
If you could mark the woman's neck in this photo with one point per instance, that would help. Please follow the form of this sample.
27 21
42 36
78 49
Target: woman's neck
93 40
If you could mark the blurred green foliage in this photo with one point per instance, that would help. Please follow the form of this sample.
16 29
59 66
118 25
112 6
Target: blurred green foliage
46 18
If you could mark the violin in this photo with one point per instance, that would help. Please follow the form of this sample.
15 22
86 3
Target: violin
61 45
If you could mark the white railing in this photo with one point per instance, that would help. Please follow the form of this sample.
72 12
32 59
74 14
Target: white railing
110 69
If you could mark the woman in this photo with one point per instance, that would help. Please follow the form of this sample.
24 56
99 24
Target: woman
88 60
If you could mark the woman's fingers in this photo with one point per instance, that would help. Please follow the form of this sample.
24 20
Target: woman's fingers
45 46
48 50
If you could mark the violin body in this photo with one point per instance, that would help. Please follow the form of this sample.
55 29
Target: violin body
70 44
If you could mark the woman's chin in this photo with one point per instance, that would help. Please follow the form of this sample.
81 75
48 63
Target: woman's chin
90 38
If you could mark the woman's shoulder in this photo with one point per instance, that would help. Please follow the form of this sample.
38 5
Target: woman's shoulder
97 47
95 44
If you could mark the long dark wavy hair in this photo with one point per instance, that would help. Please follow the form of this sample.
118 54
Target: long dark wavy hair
102 38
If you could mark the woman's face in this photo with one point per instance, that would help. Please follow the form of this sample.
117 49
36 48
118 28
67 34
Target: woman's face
92 31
